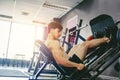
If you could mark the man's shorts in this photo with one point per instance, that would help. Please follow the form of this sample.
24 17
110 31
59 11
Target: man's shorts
75 59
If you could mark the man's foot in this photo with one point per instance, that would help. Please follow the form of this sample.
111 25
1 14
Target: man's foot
111 35
107 40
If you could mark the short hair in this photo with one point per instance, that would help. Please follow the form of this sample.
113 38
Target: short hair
54 25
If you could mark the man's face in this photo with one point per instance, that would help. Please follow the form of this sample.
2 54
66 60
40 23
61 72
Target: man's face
56 33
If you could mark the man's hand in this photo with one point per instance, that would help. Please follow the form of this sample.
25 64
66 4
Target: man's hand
80 66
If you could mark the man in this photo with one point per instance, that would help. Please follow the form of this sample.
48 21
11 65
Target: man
76 55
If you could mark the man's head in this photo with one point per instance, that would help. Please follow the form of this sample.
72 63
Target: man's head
55 28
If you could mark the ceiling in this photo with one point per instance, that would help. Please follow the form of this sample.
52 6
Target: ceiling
35 11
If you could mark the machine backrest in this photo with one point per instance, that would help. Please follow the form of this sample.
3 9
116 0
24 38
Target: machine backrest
99 23
49 56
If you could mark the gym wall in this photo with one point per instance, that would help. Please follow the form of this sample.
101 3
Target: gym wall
88 10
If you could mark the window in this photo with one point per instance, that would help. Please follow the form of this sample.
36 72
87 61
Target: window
21 43
4 34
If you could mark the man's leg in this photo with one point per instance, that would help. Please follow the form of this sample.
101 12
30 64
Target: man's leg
81 50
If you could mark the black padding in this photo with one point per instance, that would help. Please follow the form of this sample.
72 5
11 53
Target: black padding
99 23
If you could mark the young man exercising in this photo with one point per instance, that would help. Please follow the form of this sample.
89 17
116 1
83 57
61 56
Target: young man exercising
76 55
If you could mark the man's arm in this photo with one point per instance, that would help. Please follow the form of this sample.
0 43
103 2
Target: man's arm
62 58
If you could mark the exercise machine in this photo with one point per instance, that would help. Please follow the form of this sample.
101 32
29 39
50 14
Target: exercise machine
72 35
96 61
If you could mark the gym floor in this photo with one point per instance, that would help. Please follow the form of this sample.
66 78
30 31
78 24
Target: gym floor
12 78
21 74
10 73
